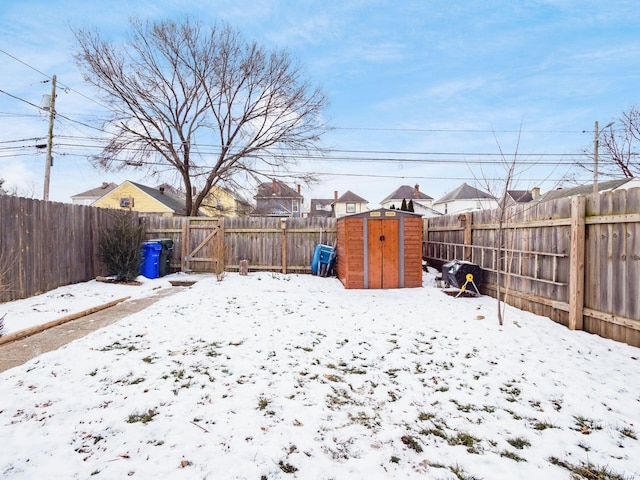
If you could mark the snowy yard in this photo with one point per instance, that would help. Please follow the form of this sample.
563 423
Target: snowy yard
291 376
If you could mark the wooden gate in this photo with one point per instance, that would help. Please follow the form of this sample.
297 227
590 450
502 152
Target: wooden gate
202 245
383 251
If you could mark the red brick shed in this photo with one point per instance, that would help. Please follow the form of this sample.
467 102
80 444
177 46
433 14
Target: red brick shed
380 249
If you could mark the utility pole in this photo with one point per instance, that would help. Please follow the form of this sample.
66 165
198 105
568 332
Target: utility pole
49 159
595 160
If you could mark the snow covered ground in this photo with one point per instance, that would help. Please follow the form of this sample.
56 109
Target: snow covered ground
272 376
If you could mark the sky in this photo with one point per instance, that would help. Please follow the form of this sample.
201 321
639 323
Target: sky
299 377
433 93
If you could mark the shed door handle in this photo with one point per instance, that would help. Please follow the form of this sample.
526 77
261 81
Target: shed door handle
382 238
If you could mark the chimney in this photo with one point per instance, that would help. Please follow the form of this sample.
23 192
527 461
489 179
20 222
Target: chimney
161 190
416 190
104 185
274 187
298 189
535 192
335 195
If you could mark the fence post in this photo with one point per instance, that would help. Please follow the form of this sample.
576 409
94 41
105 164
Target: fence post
425 237
283 226
184 263
220 267
576 268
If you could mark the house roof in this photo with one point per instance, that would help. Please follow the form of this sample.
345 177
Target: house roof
321 207
406 192
464 192
178 205
583 189
97 191
349 196
520 196
276 189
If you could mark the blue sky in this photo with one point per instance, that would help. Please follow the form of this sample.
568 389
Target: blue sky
434 86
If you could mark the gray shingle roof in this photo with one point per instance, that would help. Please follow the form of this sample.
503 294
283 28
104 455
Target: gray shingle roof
583 189
282 190
97 192
349 196
520 196
464 192
176 204
407 192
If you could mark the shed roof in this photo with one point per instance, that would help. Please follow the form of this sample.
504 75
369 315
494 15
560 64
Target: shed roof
382 213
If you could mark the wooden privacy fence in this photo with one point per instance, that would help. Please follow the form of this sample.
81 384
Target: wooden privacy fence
45 245
205 244
575 260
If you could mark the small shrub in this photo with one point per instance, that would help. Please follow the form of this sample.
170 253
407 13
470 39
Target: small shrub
119 247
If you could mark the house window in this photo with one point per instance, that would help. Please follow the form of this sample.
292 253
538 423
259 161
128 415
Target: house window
351 207
126 202
295 206
446 208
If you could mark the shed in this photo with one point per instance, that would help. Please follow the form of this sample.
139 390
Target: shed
380 249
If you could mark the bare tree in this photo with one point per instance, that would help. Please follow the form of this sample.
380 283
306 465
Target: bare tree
619 147
201 102
499 190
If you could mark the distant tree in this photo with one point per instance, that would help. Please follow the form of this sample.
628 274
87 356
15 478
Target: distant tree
393 207
403 206
410 206
201 102
619 147
2 192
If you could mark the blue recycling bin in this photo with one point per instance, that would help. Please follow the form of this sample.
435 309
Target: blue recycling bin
323 259
151 259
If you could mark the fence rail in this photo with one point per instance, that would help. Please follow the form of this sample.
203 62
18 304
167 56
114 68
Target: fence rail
574 260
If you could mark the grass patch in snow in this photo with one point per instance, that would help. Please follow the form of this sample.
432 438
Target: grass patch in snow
585 425
512 455
145 417
587 470
466 439
519 442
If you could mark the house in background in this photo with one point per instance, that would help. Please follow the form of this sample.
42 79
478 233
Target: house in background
348 204
465 198
223 202
321 207
609 185
277 199
90 196
142 199
422 203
